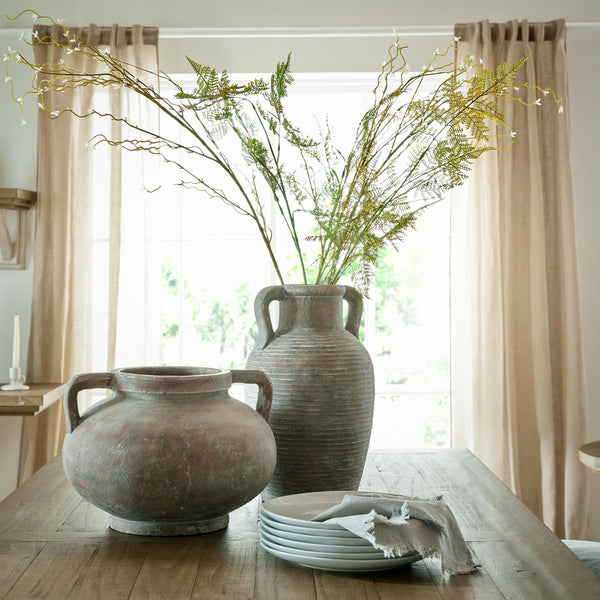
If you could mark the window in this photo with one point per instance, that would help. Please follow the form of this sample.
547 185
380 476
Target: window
207 264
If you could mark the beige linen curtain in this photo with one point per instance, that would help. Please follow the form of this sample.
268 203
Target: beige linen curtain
83 256
517 369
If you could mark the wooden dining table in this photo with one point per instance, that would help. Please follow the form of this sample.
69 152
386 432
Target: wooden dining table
54 544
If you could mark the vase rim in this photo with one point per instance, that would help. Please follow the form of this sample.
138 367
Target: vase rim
172 379
311 289
170 371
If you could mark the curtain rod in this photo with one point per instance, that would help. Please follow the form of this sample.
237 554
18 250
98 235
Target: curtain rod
314 32
328 32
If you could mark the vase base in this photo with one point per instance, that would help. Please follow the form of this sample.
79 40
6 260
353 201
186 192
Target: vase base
168 528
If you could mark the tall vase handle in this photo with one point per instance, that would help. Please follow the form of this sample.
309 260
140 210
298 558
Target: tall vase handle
78 383
355 308
265 389
261 312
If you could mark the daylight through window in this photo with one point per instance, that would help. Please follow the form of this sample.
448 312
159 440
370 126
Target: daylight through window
206 264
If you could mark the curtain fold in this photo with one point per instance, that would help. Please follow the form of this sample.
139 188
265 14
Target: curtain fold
518 391
84 200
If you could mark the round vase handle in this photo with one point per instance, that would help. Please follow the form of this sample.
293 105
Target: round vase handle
265 389
84 381
261 312
355 308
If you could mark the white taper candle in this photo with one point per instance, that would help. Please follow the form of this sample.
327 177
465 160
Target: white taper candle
16 344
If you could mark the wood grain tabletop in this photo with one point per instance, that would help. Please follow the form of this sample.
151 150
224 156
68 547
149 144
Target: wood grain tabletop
55 545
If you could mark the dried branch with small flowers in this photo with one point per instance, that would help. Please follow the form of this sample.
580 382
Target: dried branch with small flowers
406 153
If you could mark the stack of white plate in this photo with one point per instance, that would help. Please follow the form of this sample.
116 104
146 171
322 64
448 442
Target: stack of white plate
286 531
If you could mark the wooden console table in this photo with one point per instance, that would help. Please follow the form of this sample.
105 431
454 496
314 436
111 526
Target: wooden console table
589 455
28 402
53 544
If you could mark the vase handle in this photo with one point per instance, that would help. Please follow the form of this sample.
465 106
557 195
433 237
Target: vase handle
355 308
265 389
261 312
78 383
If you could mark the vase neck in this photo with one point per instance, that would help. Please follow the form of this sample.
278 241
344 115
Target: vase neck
312 312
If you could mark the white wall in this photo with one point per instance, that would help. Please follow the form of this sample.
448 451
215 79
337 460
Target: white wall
17 144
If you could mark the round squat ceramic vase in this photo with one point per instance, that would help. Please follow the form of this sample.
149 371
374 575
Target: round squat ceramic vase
170 452
323 386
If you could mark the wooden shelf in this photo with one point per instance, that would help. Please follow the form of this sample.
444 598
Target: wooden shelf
28 402
14 198
14 204
589 455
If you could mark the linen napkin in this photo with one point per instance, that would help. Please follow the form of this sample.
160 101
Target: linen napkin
401 524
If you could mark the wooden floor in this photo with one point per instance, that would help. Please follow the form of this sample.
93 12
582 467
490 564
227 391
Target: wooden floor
54 545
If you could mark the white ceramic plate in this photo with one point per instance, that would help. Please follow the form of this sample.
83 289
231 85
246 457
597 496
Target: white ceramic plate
352 540
299 509
322 549
331 531
338 564
323 553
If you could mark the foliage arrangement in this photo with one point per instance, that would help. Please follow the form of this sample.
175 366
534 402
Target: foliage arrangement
407 151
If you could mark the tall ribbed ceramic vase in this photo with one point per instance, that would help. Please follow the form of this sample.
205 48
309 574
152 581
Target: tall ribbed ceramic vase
323 388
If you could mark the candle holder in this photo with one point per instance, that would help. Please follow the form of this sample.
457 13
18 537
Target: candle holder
16 380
